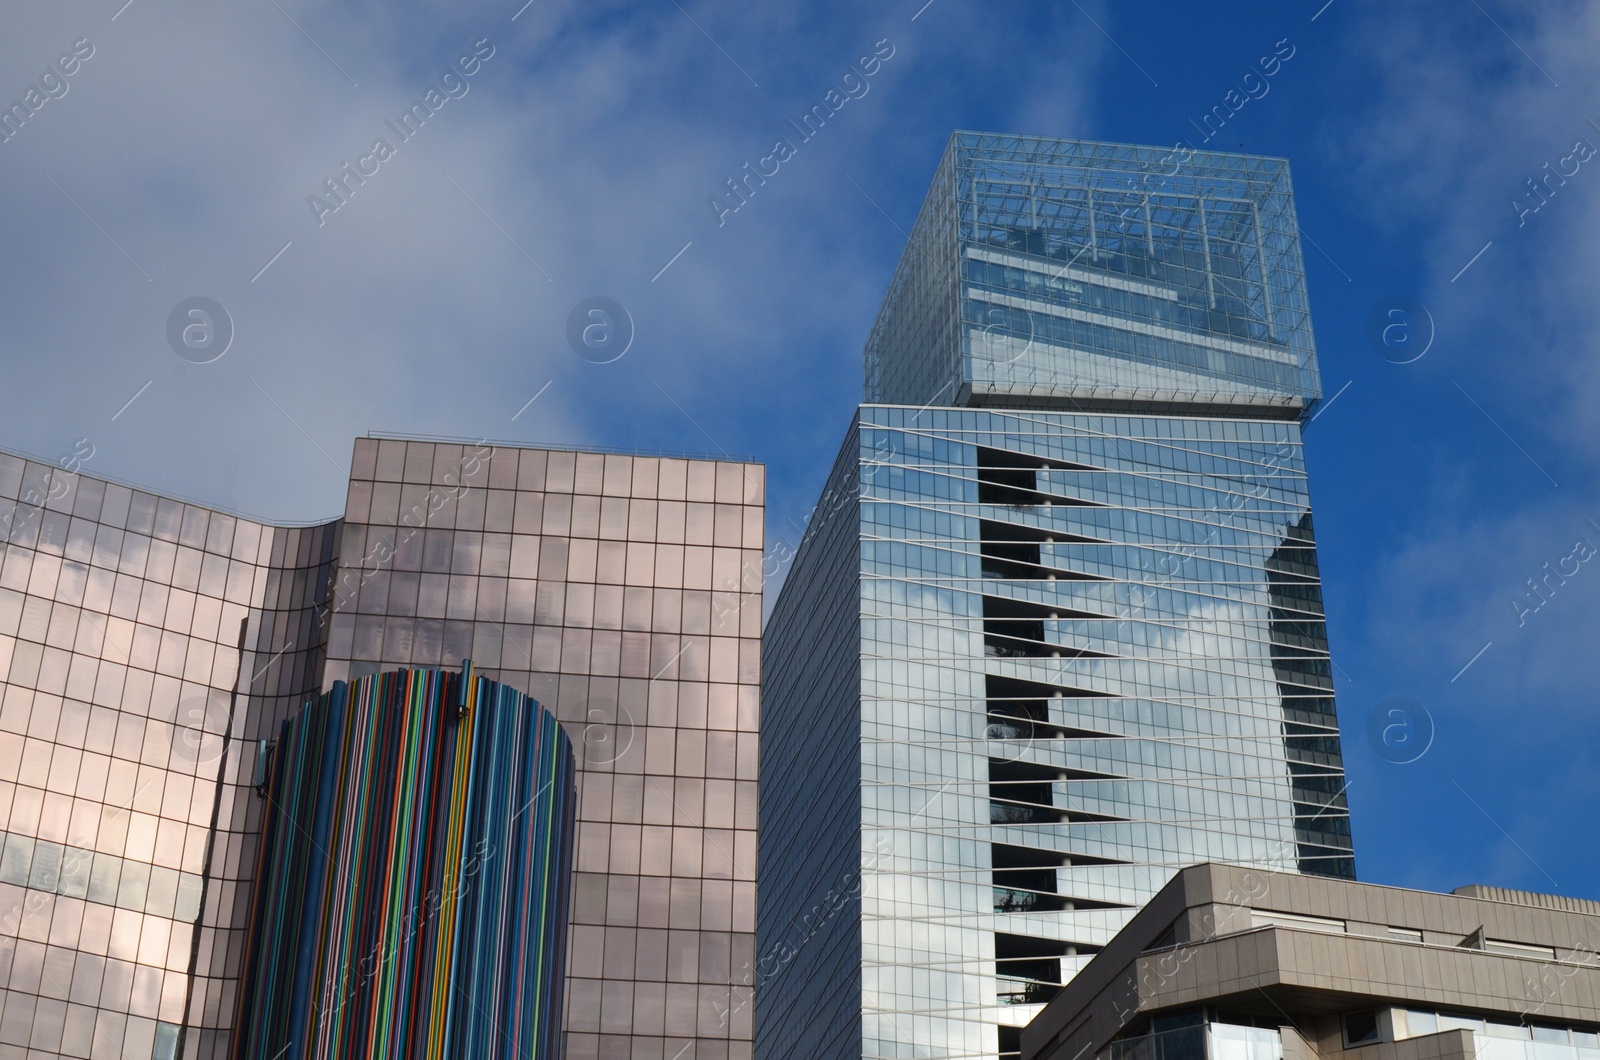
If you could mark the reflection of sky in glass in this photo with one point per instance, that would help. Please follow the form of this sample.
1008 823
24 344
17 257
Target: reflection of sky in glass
622 590
1153 603
1045 269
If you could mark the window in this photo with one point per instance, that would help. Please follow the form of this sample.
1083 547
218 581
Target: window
1169 937
1229 1042
1505 1030
1268 918
1519 949
1421 1022
1360 1028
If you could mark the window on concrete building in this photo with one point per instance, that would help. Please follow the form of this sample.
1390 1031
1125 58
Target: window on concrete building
1360 1028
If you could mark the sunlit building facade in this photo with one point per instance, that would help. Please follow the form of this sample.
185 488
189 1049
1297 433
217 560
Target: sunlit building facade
1056 629
624 593
148 645
145 643
1234 963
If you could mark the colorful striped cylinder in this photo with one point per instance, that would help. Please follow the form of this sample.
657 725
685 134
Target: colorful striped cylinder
413 878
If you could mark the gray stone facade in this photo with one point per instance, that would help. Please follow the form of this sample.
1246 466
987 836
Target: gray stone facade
1334 967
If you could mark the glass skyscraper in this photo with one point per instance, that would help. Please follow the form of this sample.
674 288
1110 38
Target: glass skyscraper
1056 629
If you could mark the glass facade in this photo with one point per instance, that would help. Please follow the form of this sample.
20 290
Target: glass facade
1200 1040
1503 1039
1040 658
808 923
1044 270
140 637
624 591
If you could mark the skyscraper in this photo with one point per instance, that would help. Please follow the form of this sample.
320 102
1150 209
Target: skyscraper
1056 630
147 644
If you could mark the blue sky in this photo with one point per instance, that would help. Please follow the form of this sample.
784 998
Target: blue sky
581 161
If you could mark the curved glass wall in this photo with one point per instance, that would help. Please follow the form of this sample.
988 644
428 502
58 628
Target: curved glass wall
144 642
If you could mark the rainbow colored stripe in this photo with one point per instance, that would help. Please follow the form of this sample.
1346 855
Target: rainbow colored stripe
413 878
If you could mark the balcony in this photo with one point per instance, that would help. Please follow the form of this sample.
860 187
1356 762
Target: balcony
1011 900
1015 991
1008 730
1022 813
1202 1041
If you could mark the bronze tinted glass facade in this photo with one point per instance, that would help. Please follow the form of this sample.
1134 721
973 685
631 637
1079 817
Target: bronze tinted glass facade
124 792
622 591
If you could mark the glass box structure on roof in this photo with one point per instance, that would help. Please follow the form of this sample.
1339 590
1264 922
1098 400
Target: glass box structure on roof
1094 275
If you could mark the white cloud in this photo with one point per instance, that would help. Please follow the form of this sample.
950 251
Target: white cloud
1460 116
591 140
1468 105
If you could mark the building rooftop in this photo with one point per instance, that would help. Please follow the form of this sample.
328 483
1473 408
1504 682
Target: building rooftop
1044 270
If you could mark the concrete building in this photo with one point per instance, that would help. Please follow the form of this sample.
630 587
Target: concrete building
1235 963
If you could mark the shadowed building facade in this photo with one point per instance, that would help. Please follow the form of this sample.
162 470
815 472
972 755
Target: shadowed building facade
147 644
1056 630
